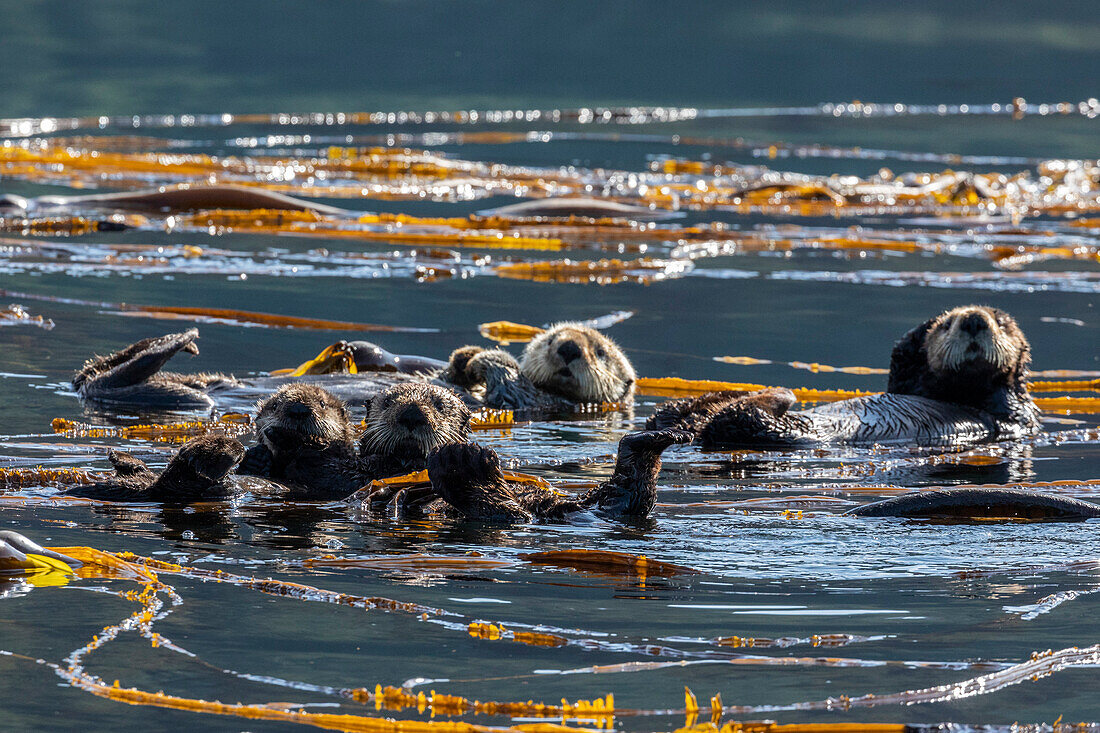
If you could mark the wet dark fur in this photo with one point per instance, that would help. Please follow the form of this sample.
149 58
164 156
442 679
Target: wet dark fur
468 478
943 387
980 504
196 473
132 376
305 441
406 422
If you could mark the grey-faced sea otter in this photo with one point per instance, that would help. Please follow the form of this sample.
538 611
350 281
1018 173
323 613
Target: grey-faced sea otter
198 472
960 377
132 376
566 365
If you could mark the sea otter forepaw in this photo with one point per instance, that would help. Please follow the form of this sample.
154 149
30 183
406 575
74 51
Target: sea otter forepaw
257 461
468 461
655 440
400 502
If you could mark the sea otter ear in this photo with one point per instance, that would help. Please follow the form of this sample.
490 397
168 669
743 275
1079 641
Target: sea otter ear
908 361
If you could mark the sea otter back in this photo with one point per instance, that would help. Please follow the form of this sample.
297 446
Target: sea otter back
981 504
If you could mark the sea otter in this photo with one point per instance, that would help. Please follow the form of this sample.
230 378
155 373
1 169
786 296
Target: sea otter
959 377
132 376
197 472
468 479
404 424
566 365
307 442
980 504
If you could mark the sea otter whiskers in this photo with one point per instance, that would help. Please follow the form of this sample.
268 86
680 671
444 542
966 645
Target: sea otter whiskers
306 442
568 364
469 479
132 376
405 423
197 472
959 377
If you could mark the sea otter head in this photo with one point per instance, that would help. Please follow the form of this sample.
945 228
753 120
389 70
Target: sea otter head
578 363
974 337
414 418
963 355
207 459
306 411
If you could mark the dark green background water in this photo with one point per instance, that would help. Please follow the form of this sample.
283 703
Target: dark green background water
841 575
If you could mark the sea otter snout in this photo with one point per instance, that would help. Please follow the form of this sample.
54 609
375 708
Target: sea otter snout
578 363
305 410
971 336
414 418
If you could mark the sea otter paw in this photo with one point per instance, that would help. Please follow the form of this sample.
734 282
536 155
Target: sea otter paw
654 441
257 461
399 502
465 463
281 438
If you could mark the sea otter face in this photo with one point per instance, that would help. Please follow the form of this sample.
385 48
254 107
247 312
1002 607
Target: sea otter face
974 337
414 418
211 457
578 363
305 410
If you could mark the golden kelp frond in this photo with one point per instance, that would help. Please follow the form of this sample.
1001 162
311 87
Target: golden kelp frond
19 478
599 272
677 387
497 632
1069 405
508 332
232 424
395 698
808 366
488 418
230 219
1063 187
16 315
335 359
1077 385
607 561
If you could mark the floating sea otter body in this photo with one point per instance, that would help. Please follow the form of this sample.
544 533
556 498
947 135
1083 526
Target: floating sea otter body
466 480
567 365
980 504
306 441
960 377
198 472
132 376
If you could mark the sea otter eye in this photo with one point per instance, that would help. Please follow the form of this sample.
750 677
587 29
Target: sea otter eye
600 352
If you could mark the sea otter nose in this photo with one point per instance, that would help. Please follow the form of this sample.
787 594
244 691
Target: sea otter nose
297 409
411 418
569 352
973 323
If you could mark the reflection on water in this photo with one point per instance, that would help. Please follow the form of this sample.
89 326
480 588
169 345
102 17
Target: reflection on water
794 611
